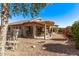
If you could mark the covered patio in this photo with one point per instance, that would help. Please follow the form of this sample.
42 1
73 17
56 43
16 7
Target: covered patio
38 29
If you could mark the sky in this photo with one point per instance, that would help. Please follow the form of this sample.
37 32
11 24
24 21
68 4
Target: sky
63 14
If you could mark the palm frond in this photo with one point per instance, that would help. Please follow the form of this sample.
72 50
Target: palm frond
24 9
35 8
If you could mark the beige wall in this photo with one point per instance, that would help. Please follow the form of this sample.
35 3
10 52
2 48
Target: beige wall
12 28
22 30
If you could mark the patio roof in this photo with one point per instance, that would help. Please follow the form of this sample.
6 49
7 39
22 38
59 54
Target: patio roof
32 22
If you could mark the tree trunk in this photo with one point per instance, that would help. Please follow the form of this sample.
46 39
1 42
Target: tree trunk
4 26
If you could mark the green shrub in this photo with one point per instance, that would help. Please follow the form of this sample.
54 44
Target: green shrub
75 33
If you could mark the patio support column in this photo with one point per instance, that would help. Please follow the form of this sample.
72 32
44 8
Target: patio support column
45 31
11 29
52 29
24 31
57 30
34 31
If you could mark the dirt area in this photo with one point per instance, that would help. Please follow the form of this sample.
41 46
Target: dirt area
41 47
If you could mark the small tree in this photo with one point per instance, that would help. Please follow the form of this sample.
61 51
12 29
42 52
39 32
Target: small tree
75 33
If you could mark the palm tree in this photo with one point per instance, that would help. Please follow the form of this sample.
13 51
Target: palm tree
8 10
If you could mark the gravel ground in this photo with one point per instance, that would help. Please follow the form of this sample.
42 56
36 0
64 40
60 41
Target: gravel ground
40 47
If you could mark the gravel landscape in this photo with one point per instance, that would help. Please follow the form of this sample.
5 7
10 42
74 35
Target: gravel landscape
40 47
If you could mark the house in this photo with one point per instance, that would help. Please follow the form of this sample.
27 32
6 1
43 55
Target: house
35 28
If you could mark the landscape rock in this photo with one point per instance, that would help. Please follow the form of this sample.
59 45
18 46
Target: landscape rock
41 42
43 48
33 46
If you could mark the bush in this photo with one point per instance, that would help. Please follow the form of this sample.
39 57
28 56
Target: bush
75 33
67 32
